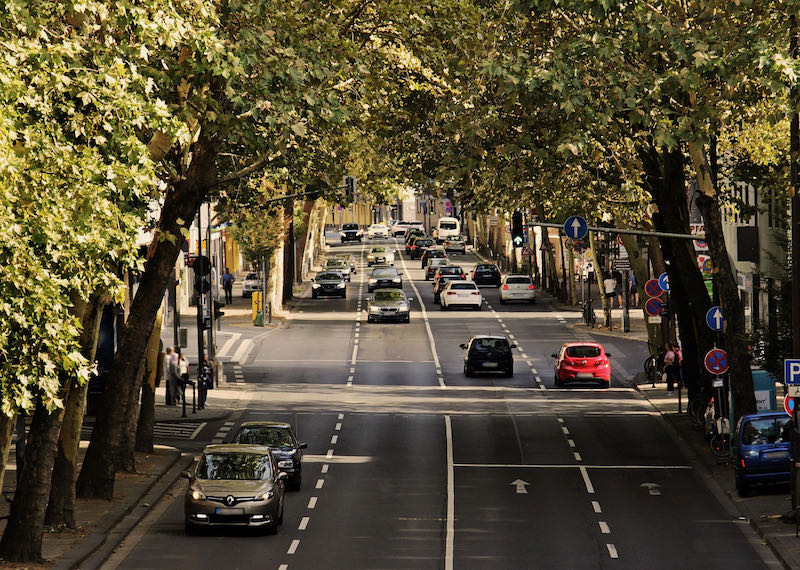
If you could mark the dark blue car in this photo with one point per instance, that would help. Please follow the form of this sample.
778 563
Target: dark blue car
762 450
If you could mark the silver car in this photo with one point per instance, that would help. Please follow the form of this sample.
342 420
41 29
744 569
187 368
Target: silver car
250 284
235 486
389 305
338 265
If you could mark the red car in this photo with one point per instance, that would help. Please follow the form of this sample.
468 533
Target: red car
582 362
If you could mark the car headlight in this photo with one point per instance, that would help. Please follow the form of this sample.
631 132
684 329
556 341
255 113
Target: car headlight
315 286
372 281
375 309
197 494
342 234
396 280
265 495
340 285
402 307
286 464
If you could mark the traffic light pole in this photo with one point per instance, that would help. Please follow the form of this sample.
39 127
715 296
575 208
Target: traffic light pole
200 347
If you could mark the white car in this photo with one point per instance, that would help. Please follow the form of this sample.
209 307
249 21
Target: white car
517 288
399 229
340 265
378 231
380 256
250 284
461 293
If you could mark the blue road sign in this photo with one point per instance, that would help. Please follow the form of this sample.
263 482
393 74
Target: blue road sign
714 318
576 227
791 371
654 307
663 280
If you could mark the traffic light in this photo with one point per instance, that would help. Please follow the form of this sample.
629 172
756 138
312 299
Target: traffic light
202 274
349 188
517 229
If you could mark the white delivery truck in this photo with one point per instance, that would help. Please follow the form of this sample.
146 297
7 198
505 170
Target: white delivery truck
447 227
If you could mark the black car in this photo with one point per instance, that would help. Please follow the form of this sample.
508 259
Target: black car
329 283
351 232
419 245
488 353
441 281
432 253
384 277
486 274
280 438
411 235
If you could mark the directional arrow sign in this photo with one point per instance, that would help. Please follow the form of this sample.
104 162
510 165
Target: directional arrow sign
520 485
714 318
663 280
576 227
652 488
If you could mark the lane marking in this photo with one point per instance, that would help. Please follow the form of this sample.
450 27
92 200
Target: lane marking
596 507
329 454
334 439
221 432
293 547
450 532
243 351
283 567
567 466
349 379
229 344
612 551
577 456
338 426
312 503
586 480
565 430
320 483
325 468
304 523
352 370
560 420
604 527
525 356
341 416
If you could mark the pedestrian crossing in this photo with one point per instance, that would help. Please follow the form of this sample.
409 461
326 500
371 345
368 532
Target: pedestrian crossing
169 430
238 373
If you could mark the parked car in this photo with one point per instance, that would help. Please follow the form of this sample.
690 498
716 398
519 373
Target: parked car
488 353
582 362
418 247
380 255
412 235
439 285
235 486
250 284
338 265
450 270
376 231
434 265
280 438
763 450
351 232
389 305
517 288
329 283
486 274
383 277
455 244
460 294
432 253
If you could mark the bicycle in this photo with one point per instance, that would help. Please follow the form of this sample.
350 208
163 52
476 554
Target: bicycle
720 430
654 366
588 314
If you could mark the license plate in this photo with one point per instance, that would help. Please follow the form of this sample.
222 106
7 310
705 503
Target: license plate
776 455
583 375
490 364
225 511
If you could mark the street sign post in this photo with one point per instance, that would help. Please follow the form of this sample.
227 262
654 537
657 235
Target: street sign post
716 361
652 288
791 371
654 307
576 227
714 318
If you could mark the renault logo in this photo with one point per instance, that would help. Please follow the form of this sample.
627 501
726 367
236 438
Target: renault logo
230 500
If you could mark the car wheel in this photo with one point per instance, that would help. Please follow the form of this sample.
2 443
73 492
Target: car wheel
442 307
344 294
605 384
509 374
189 528
280 514
533 301
313 295
502 301
478 307
467 373
427 278
557 382
408 320
742 488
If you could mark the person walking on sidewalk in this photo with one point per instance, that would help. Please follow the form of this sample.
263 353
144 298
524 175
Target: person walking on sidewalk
183 375
670 367
227 285
609 288
171 376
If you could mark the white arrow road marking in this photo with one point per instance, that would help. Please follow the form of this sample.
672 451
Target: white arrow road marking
652 488
520 485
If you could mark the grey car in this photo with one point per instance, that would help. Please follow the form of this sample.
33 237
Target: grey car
340 265
383 277
329 283
389 305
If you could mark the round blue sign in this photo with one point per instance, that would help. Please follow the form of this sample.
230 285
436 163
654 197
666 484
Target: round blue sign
576 227
663 280
714 318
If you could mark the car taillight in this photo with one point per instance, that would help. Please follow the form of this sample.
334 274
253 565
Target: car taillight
476 293
451 292
413 247
743 462
530 286
505 287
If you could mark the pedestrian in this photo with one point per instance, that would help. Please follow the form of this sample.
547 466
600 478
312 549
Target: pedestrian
618 287
670 367
227 285
633 288
609 287
169 380
183 375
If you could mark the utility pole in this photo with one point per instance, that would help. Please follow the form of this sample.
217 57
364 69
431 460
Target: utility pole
794 153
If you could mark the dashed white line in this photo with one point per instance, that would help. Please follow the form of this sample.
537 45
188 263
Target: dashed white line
612 551
560 420
304 523
334 439
586 480
293 547
565 430
320 483
596 507
352 370
283 567
604 527
312 502
325 468
349 379
341 416
577 456
338 426
571 443
329 454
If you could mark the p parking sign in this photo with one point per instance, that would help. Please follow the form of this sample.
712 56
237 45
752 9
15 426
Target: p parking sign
791 371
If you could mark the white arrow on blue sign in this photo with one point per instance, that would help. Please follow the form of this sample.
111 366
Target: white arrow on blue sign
791 371
714 318
576 227
663 280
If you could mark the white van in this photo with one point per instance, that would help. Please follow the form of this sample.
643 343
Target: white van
447 227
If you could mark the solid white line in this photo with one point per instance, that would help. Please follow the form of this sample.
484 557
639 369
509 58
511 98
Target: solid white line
565 466
450 528
586 480
577 456
312 503
229 344
596 507
320 483
612 551
355 353
303 523
338 426
293 547
202 425
604 527
334 439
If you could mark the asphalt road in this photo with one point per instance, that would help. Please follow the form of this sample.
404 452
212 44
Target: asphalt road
412 465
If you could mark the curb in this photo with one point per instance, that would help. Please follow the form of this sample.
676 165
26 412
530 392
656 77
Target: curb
112 529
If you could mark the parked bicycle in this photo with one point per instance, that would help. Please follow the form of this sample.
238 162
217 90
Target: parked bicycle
654 365
718 428
588 313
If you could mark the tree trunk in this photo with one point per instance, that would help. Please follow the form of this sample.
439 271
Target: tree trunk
740 375
147 412
6 432
664 176
61 506
639 268
182 200
126 458
22 539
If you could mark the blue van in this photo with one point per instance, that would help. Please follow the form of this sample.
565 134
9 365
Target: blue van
763 450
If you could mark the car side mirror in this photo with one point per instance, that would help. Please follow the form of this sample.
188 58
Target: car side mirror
463 346
512 346
282 476
608 354
410 299
187 475
303 445
554 355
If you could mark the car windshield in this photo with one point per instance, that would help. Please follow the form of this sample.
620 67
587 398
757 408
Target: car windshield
767 430
377 250
384 273
490 344
234 466
455 238
525 280
583 351
389 296
265 435
350 227
251 277
329 277
463 286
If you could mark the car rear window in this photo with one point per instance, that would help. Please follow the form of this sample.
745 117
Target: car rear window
490 344
583 351
423 242
767 430
463 286
451 270
486 269
525 280
262 435
447 225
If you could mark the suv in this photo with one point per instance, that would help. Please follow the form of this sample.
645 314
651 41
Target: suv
488 353
432 253
418 247
351 232
486 274
411 235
